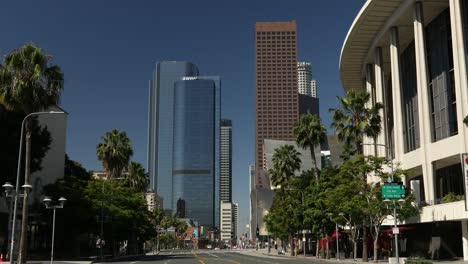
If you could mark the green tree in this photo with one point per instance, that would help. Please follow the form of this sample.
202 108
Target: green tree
114 151
310 133
29 83
286 161
354 120
137 177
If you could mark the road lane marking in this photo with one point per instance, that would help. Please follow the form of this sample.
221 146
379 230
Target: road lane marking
212 255
198 258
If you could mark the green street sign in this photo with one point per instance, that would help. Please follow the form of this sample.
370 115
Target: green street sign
394 190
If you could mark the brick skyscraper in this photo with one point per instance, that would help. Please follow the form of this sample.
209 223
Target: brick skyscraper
276 98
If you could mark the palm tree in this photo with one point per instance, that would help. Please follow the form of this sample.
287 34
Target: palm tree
137 177
310 133
29 83
355 120
286 162
114 152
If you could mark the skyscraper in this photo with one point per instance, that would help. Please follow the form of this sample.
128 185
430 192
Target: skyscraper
226 161
235 217
304 78
276 99
313 88
194 156
160 126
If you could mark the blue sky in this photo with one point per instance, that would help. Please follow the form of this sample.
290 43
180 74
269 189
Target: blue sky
107 50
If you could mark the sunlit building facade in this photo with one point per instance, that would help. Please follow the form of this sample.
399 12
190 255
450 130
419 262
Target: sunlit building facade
411 56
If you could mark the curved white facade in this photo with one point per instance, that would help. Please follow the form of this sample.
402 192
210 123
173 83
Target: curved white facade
411 56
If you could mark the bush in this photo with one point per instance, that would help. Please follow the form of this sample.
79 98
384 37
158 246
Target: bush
452 197
417 260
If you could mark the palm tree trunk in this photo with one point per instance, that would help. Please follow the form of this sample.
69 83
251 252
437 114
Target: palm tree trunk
24 223
314 160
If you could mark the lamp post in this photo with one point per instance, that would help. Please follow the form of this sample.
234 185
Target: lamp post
47 202
337 237
387 200
18 170
9 194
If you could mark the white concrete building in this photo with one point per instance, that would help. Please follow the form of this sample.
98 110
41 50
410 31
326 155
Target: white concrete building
304 78
412 57
235 220
313 88
153 201
226 221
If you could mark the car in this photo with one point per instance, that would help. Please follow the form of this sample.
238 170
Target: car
216 248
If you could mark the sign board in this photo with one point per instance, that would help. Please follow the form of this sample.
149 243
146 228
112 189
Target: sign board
464 162
396 230
394 190
195 232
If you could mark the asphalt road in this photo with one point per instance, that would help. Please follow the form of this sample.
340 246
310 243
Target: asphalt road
210 257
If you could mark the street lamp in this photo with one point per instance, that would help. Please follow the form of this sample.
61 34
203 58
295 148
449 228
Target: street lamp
47 202
15 207
337 235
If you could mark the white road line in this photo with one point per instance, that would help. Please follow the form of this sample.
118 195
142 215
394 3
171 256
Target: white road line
168 260
212 255
133 262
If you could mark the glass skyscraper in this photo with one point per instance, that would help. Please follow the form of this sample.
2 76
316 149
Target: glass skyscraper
184 134
160 126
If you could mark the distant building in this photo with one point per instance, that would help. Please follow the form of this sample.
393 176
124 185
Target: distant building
235 220
226 222
304 78
252 200
180 208
308 104
276 100
153 201
225 163
313 88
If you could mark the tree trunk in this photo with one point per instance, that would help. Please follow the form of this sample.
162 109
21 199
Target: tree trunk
364 244
375 249
317 248
328 246
24 223
291 240
354 249
314 160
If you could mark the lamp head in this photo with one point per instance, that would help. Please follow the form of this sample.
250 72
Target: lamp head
27 187
387 201
401 201
47 201
8 187
62 200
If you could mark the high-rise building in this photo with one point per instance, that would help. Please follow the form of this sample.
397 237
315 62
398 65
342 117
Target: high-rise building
304 78
160 126
235 217
226 221
313 88
184 140
252 202
194 156
226 161
276 99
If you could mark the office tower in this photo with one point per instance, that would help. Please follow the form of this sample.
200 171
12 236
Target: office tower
276 99
304 78
160 126
226 160
235 217
194 155
180 208
226 221
313 88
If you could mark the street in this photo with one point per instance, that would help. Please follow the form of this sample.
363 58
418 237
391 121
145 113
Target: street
211 256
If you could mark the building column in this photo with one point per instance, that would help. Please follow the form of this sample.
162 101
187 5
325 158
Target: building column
464 224
369 149
379 98
424 117
396 89
459 67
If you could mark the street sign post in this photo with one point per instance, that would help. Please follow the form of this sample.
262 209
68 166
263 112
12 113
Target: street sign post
394 190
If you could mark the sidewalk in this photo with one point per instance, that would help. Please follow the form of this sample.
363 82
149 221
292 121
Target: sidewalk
274 254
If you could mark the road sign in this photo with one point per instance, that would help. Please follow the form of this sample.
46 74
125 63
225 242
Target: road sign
396 230
394 190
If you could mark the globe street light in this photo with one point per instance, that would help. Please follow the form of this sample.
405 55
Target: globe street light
47 202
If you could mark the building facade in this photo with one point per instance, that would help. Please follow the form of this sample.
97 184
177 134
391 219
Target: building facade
411 57
160 126
226 222
304 78
225 188
194 154
313 88
252 200
235 221
276 98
